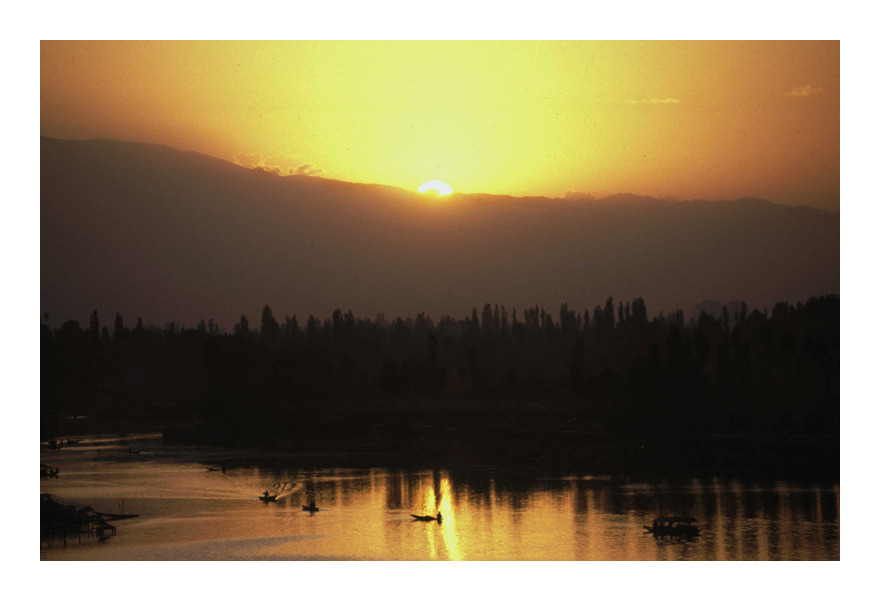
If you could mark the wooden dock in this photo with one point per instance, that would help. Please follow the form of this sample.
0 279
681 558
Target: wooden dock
60 521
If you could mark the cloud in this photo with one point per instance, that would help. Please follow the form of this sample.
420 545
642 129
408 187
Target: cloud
806 90
277 165
306 169
249 160
654 101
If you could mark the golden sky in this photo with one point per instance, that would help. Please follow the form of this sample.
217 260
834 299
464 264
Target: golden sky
710 120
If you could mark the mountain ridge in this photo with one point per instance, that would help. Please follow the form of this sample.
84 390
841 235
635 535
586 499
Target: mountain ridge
148 230
616 197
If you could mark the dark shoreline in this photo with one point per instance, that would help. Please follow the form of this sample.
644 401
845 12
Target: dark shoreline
528 437
539 447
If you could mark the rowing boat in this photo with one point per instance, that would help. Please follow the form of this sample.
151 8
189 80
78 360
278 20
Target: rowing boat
428 518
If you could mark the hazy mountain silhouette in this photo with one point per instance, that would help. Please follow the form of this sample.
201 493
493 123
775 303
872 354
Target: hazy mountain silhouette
151 231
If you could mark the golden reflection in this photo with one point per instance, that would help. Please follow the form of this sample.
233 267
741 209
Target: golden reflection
448 529
591 520
634 524
432 543
429 503
499 515
429 507
504 519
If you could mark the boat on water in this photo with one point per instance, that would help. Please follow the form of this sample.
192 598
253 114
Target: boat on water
117 516
428 518
48 471
267 498
311 508
674 526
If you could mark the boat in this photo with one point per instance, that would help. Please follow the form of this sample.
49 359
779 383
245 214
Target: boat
674 526
267 498
48 471
311 507
117 516
428 518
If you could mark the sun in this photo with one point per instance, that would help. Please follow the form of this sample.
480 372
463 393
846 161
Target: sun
442 188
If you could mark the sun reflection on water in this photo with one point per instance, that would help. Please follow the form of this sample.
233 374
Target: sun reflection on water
448 528
487 514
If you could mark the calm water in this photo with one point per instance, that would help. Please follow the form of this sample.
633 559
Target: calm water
189 513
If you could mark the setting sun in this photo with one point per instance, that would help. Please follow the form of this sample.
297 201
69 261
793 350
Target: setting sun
593 117
635 280
442 188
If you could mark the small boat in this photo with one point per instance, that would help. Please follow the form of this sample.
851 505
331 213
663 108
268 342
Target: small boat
48 472
674 526
311 507
117 516
267 498
428 518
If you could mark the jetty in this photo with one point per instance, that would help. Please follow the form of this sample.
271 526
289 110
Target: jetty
60 520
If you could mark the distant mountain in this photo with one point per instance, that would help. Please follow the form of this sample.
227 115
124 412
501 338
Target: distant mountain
155 232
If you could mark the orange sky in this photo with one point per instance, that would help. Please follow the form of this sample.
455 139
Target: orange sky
709 120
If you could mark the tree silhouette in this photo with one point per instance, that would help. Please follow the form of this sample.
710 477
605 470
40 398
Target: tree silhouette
241 329
270 331
119 329
660 386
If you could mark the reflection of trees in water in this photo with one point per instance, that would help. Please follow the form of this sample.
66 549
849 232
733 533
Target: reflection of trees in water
394 490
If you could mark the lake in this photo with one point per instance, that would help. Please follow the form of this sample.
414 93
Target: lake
489 513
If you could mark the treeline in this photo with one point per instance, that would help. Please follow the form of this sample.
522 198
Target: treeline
746 372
